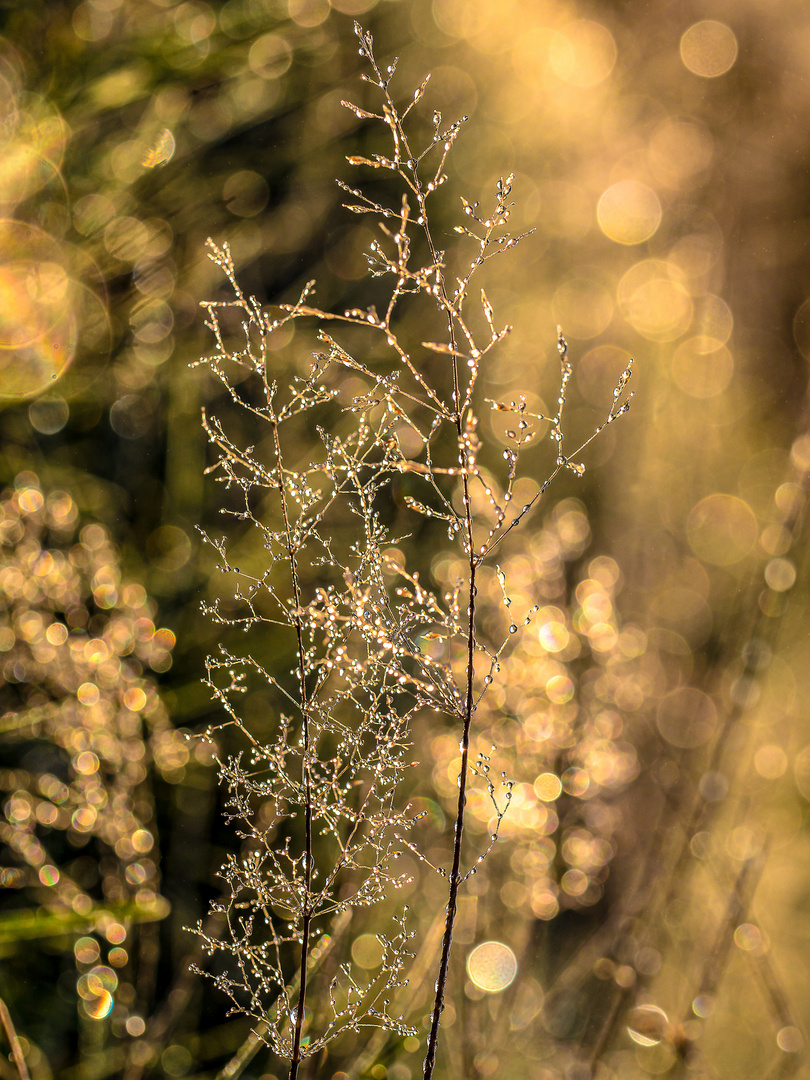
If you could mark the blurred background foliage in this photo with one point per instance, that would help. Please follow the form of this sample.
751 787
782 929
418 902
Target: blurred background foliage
656 853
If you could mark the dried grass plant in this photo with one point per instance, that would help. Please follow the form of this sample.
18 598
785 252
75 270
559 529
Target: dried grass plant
351 646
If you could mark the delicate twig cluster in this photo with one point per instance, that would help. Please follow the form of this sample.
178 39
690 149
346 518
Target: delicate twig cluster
367 645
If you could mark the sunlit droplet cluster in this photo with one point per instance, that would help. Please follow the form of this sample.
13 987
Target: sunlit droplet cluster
83 726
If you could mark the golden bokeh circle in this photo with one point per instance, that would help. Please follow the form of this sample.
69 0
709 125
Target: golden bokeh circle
582 53
702 366
721 529
629 212
709 48
492 966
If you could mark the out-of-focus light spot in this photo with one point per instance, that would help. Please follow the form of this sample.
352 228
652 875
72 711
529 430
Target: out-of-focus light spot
88 693
709 48
646 1024
86 950
132 416
270 56
696 254
194 21
702 845
583 308
703 1005
30 500
86 763
47 815
574 882
91 22
554 637
771 761
115 932
151 321
125 238
789 498
713 318
544 904
559 689
144 629
308 12
679 153
721 529
154 354
168 548
780 575
32 151
367 951
582 53
83 819
98 1008
575 781
743 844
135 874
165 638
135 1026
96 651
748 937
625 976
118 957
48 415
654 300
604 968
101 978
176 1060
135 699
142 840
713 786
686 717
632 642
245 193
790 1040
49 875
161 151
602 637
492 966
39 302
547 787
702 367
628 212
466 21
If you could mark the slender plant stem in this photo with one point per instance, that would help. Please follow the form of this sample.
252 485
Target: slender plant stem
306 775
455 875
455 872
13 1041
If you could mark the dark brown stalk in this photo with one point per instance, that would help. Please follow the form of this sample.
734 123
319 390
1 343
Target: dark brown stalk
455 872
306 776
455 876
